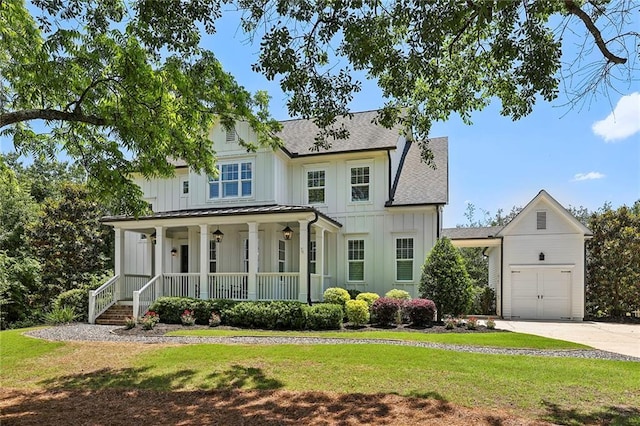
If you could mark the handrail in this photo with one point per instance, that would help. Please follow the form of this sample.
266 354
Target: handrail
104 296
145 302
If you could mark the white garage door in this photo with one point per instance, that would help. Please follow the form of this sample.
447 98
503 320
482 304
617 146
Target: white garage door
541 293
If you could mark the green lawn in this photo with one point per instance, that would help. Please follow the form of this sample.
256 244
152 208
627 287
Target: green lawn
496 340
563 390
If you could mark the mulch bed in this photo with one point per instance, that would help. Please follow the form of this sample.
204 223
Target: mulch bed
161 329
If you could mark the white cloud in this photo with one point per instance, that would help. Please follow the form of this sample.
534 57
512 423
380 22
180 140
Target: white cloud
623 122
587 176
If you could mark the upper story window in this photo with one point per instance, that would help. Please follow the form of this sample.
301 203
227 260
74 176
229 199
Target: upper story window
315 187
404 259
185 187
234 180
541 220
360 183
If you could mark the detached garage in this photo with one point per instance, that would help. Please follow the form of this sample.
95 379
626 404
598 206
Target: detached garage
536 261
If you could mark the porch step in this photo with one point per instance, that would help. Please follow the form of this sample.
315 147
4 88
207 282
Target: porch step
115 315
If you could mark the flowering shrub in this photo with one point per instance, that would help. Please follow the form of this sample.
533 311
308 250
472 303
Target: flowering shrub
385 310
337 296
357 312
472 323
450 322
215 320
368 297
398 294
149 320
491 324
187 318
129 323
420 311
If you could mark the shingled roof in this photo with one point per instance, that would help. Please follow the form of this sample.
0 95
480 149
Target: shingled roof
419 183
471 233
299 135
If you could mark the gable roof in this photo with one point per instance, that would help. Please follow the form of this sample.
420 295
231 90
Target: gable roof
471 233
418 183
544 196
299 135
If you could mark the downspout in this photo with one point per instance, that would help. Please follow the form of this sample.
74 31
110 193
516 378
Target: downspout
309 257
438 210
501 277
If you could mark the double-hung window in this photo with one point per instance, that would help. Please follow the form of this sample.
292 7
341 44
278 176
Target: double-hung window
213 257
234 180
312 257
360 183
355 253
404 259
315 187
282 256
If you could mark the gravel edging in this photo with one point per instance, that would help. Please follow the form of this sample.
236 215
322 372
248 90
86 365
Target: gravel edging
104 333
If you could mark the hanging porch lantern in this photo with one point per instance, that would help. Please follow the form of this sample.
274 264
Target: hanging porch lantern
287 233
218 235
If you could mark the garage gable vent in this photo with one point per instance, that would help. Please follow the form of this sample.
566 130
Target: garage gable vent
541 220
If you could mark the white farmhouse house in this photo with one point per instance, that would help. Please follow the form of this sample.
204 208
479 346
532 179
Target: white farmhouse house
283 224
536 261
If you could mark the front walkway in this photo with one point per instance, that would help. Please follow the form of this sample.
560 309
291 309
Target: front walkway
103 333
619 338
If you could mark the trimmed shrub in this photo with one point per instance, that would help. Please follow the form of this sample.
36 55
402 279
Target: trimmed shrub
169 309
76 299
385 310
357 312
398 294
420 311
323 316
336 295
368 297
276 315
353 293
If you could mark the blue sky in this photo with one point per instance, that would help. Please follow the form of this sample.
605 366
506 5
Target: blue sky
497 163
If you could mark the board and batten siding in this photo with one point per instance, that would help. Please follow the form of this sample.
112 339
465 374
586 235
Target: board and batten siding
494 274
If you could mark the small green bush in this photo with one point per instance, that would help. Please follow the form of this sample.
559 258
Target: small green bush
169 309
357 312
276 315
353 293
336 295
76 299
368 297
60 315
323 316
398 294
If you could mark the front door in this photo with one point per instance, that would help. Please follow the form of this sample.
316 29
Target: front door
184 258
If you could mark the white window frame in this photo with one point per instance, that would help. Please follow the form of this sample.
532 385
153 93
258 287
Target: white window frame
245 255
351 261
356 165
313 249
404 259
323 187
219 182
183 181
282 256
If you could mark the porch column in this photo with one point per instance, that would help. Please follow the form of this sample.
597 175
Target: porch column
252 279
159 259
304 260
204 259
320 256
118 259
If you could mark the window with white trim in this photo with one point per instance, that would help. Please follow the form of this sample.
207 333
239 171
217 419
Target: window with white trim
235 180
282 255
404 259
355 258
312 257
315 186
213 257
245 255
360 183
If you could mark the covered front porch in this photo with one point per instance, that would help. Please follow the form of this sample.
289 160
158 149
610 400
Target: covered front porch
251 253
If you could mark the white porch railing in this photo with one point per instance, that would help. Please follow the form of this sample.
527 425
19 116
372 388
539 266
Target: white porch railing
145 297
231 285
131 283
181 285
278 286
102 298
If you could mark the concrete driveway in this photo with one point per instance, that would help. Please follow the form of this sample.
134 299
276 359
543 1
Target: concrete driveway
619 338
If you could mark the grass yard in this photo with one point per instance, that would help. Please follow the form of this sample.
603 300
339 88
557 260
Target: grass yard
496 340
322 383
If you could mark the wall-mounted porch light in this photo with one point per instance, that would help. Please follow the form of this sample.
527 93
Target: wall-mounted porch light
287 233
174 252
541 256
218 236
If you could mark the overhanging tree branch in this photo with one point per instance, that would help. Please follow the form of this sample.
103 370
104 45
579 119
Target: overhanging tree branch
9 118
574 9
